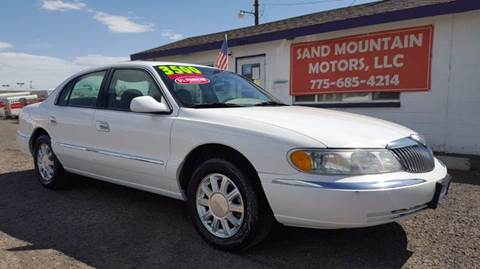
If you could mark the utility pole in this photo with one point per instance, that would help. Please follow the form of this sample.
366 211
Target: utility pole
255 6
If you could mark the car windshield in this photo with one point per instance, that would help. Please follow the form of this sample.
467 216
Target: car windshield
201 87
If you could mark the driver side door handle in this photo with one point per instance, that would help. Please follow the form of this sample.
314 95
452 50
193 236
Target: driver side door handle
102 126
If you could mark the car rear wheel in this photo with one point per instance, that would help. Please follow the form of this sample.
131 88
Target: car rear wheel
49 171
226 207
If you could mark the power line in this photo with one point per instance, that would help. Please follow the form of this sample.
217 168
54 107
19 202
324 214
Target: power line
301 3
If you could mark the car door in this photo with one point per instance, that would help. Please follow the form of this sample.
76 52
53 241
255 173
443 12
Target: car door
70 121
133 147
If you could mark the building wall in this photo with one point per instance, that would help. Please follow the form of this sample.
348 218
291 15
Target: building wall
448 115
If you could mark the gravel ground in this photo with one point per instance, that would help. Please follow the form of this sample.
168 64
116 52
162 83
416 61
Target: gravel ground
96 224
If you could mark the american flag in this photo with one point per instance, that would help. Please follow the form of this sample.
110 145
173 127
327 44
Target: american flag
222 59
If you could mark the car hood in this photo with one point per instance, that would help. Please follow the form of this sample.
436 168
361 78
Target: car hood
332 128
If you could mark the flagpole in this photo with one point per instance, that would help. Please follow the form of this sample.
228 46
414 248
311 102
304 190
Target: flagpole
222 58
226 41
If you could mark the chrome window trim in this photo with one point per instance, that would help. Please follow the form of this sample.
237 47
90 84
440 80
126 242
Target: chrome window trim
352 186
113 154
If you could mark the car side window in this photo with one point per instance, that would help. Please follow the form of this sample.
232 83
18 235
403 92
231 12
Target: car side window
127 84
83 91
64 94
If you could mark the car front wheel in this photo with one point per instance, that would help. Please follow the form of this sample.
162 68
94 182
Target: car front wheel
226 207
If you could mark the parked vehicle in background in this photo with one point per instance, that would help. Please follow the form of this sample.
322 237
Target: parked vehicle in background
3 95
237 156
3 111
9 94
12 105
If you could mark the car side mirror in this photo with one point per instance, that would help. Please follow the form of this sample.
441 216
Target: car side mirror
147 104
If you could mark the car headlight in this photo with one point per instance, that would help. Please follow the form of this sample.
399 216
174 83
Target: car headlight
344 162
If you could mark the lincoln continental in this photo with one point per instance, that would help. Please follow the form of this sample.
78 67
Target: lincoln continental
238 157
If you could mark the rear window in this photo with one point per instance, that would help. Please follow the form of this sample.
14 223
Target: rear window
82 91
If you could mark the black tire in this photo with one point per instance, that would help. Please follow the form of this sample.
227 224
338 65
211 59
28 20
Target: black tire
58 178
257 218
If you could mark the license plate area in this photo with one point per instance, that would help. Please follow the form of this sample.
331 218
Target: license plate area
441 190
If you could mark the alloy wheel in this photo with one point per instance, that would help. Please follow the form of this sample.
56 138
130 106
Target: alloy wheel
220 205
45 163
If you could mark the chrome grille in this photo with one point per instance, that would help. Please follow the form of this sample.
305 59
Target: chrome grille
415 158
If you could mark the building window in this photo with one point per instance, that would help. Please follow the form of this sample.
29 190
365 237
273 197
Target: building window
305 98
348 98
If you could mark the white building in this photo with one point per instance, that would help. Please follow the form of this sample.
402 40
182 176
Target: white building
420 67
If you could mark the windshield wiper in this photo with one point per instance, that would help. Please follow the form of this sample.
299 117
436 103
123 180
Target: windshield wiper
270 103
214 105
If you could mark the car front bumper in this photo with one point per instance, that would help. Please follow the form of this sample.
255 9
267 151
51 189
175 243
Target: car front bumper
345 202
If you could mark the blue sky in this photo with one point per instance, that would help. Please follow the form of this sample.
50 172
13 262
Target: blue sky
47 40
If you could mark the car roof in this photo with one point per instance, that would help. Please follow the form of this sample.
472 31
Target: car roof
140 64
145 64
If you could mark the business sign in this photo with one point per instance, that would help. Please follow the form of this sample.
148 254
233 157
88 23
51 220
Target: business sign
396 60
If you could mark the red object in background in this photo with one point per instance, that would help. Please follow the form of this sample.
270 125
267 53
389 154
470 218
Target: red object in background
16 105
395 60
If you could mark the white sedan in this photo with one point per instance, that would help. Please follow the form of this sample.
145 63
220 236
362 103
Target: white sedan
240 158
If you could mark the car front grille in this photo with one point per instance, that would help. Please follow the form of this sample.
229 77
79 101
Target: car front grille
415 158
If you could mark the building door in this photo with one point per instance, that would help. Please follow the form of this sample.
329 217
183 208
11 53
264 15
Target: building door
252 67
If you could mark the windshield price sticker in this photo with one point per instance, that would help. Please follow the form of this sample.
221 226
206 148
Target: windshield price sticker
184 74
174 70
190 79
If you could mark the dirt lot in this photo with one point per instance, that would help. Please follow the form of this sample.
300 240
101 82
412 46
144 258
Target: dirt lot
96 224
